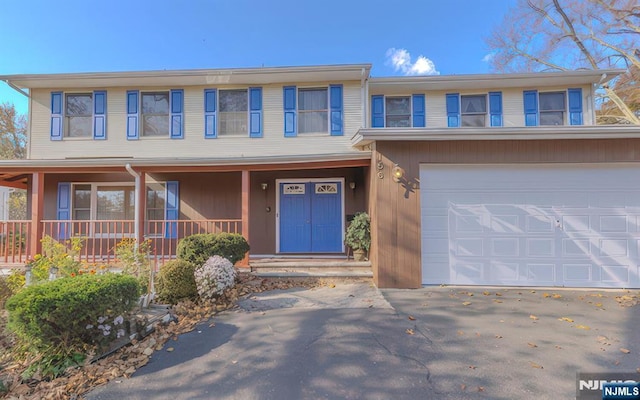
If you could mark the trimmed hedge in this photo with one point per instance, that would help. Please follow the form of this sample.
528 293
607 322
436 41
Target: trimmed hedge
176 282
58 313
198 248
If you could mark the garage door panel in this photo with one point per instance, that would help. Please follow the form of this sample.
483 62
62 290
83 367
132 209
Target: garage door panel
561 225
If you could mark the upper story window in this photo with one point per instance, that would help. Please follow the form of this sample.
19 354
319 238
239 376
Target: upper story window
398 111
471 110
313 110
233 112
78 115
553 108
155 114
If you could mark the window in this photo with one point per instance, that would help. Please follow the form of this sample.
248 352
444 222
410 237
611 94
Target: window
233 119
397 112
155 114
155 202
552 108
78 115
313 113
473 110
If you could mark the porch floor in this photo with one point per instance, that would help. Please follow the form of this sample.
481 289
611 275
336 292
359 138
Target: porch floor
310 267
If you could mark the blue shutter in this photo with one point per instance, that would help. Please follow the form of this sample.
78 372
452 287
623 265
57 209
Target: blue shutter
210 103
255 112
177 96
100 115
377 111
530 107
64 210
453 110
132 114
171 209
495 108
418 111
575 106
289 93
335 103
56 115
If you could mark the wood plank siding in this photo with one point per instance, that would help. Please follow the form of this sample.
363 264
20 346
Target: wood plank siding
395 208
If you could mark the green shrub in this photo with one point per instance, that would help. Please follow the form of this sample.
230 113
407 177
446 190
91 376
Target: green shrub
198 248
5 290
176 282
62 313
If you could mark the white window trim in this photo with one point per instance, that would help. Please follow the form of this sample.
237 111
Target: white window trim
384 107
65 124
565 112
218 119
142 114
93 211
487 118
323 87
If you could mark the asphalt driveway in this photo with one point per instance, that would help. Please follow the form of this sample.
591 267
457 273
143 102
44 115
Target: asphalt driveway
353 341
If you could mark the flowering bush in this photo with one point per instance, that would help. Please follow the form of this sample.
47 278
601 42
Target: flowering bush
63 256
212 278
133 259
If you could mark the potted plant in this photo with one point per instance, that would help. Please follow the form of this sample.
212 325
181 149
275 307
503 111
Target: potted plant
358 235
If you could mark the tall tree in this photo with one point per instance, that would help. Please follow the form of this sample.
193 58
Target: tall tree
559 35
13 142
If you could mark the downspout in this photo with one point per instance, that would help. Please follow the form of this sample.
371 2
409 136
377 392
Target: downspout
363 95
136 204
17 89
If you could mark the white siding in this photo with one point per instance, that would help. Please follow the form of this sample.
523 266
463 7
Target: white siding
512 105
273 142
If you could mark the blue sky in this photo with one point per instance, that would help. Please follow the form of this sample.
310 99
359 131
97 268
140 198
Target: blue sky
398 38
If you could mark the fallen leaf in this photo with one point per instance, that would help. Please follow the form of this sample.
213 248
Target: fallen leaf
545 295
469 294
532 344
169 349
598 304
332 285
486 293
497 301
601 338
556 296
498 336
625 351
535 365
566 319
460 333
498 294
472 367
585 327
638 370
558 347
616 362
533 317
533 291
466 303
480 388
477 333
411 318
464 387
409 331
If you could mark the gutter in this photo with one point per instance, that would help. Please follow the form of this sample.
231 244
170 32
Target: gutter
17 89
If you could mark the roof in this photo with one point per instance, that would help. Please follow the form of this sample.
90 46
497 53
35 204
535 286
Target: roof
493 81
367 136
191 77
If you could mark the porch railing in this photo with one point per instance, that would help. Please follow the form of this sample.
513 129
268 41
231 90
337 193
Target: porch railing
100 237
14 241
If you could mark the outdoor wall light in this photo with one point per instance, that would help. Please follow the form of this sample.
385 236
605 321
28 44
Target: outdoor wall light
264 185
352 185
397 172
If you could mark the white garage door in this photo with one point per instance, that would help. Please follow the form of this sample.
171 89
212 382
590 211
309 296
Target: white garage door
540 225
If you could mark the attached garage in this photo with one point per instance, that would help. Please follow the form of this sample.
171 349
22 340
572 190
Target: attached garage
574 225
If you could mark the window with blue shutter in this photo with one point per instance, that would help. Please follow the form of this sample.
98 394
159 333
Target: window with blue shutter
100 115
377 111
336 110
453 110
495 108
176 107
530 107
64 210
210 104
255 112
418 111
289 94
575 106
172 209
132 114
56 115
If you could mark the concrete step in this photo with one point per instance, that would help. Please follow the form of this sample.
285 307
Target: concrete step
310 268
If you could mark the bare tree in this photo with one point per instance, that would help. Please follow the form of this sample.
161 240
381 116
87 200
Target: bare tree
555 35
13 141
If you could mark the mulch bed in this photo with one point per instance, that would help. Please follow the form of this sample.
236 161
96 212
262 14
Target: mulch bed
123 363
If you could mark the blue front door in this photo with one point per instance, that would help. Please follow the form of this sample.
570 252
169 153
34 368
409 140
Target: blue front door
311 217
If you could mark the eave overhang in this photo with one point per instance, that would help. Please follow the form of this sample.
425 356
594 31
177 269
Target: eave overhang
367 136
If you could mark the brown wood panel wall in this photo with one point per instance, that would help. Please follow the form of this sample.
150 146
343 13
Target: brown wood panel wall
395 208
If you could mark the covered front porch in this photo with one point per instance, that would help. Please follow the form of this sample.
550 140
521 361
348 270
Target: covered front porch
103 202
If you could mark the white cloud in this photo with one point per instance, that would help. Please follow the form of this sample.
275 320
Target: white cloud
400 60
488 57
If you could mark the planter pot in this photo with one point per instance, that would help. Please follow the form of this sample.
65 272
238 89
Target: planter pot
359 255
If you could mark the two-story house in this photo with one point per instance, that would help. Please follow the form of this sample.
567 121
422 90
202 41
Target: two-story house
469 179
